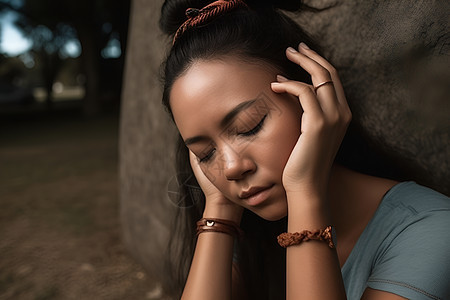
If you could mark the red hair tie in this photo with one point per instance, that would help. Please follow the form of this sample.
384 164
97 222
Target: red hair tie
201 16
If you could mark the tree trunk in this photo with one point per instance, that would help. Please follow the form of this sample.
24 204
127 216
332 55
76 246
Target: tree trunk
147 138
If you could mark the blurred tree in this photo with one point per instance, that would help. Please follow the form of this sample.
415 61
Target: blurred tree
51 24
47 44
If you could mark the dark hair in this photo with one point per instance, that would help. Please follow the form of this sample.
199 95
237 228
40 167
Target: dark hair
259 33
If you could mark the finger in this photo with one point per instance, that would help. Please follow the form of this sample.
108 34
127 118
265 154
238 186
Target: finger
200 174
339 90
318 73
191 156
304 49
193 160
303 91
326 94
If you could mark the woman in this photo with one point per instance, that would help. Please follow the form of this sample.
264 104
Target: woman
261 118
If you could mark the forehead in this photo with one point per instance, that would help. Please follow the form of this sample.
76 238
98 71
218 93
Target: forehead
210 89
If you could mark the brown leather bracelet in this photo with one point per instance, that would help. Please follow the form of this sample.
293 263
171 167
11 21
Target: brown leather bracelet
289 239
219 225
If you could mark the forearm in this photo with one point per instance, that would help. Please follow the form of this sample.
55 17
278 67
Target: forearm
210 275
313 270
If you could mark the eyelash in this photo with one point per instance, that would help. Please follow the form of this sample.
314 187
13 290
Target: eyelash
251 132
256 129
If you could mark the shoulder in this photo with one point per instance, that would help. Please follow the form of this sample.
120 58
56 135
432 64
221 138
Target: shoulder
416 218
416 198
415 260
408 211
408 206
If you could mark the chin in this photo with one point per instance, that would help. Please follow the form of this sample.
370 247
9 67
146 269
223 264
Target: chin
273 212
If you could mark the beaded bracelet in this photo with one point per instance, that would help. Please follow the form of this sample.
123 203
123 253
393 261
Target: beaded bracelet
219 225
289 239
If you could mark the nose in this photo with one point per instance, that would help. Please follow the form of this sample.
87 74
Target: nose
237 165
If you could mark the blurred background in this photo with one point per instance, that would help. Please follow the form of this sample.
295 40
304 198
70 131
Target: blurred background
61 66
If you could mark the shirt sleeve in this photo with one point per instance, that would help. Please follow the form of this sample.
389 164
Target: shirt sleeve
416 263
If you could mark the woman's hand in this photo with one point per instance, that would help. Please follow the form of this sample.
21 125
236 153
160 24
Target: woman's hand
217 205
323 125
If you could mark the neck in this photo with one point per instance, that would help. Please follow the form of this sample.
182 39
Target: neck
354 198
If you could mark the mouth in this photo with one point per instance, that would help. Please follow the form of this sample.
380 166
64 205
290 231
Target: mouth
255 195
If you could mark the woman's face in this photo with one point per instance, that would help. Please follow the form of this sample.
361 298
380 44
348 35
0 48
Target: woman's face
239 129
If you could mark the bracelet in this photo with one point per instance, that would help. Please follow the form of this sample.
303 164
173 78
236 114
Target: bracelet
219 225
289 239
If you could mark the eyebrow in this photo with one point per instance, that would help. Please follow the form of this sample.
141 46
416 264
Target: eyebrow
225 121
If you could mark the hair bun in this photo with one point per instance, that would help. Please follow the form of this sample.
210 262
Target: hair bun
173 13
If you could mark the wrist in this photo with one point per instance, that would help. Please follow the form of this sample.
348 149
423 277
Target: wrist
307 211
219 225
310 187
225 211
305 199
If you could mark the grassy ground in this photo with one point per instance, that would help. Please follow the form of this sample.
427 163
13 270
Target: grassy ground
59 227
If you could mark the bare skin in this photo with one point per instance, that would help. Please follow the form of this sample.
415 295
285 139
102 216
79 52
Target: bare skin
288 149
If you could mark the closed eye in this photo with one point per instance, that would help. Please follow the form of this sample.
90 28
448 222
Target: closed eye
251 132
208 156
254 130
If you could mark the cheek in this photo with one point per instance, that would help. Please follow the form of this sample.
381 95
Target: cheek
286 137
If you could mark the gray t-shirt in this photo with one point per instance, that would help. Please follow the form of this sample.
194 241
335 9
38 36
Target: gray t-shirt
405 248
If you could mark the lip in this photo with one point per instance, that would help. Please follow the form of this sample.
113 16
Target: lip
255 195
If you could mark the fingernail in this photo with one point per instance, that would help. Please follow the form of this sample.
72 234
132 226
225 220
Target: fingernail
281 78
275 83
304 46
290 49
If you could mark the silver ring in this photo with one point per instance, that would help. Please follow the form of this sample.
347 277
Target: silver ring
322 84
